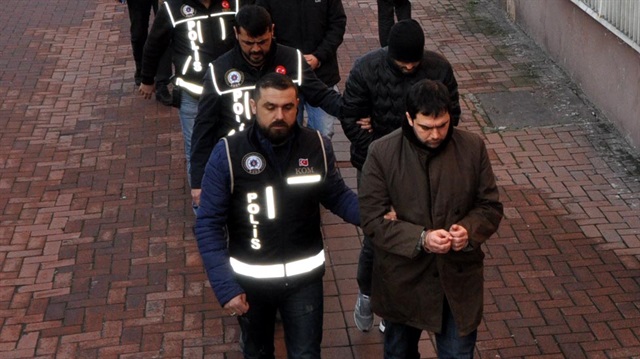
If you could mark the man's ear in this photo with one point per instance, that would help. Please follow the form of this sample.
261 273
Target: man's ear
254 106
409 119
235 31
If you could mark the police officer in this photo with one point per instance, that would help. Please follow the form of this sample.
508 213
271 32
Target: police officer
258 225
198 31
224 104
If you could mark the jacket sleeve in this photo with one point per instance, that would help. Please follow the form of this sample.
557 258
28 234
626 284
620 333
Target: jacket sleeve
210 226
336 196
398 237
318 94
484 218
334 34
157 43
357 100
204 135
452 86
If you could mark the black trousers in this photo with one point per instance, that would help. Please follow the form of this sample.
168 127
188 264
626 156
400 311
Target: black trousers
139 15
386 11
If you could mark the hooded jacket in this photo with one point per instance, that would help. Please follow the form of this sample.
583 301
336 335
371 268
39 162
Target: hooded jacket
428 190
377 87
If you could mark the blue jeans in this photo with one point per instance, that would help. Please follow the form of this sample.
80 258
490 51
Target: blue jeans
187 113
317 119
401 341
301 309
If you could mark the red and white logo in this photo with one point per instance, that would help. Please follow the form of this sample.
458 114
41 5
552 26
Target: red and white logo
303 162
281 70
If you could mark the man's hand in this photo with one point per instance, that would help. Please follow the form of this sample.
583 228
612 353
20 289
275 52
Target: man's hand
147 90
459 237
391 215
437 241
312 61
237 306
195 196
365 124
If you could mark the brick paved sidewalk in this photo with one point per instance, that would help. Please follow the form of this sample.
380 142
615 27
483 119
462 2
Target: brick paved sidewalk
97 258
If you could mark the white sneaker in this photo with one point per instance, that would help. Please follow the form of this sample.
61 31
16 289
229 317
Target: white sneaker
362 314
381 326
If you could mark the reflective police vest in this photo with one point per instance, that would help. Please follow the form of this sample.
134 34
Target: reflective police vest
235 86
199 39
274 222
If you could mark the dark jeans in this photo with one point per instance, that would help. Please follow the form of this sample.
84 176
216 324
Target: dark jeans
301 310
401 341
365 261
139 14
386 9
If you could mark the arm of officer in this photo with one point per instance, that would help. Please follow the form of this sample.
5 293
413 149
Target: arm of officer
396 236
336 196
157 43
205 132
318 94
210 226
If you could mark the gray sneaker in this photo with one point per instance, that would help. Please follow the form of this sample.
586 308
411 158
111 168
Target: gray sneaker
362 314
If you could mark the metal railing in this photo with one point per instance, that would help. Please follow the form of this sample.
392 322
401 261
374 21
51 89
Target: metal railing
621 17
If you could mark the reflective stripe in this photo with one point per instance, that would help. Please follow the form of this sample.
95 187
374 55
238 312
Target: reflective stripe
304 179
271 206
189 86
278 270
223 30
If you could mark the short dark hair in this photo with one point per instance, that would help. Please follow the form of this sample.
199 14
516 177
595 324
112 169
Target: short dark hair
254 19
273 80
429 98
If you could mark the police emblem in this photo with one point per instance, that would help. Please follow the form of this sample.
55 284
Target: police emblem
187 11
281 70
234 78
253 163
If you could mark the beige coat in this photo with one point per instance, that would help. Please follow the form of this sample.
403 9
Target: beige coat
431 191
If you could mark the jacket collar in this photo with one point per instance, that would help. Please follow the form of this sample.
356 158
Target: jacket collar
268 60
410 135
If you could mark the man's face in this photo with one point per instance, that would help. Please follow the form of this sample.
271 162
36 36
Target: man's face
430 130
276 112
407 67
254 49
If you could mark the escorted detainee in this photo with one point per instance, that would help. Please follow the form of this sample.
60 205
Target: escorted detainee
258 225
428 260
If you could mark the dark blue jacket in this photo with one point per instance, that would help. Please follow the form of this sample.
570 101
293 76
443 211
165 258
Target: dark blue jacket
216 199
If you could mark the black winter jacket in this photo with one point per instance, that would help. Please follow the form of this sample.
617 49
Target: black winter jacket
377 86
223 106
313 27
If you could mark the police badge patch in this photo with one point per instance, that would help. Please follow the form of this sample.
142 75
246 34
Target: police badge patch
234 78
253 163
187 11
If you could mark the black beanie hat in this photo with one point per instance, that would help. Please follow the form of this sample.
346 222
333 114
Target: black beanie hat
406 41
